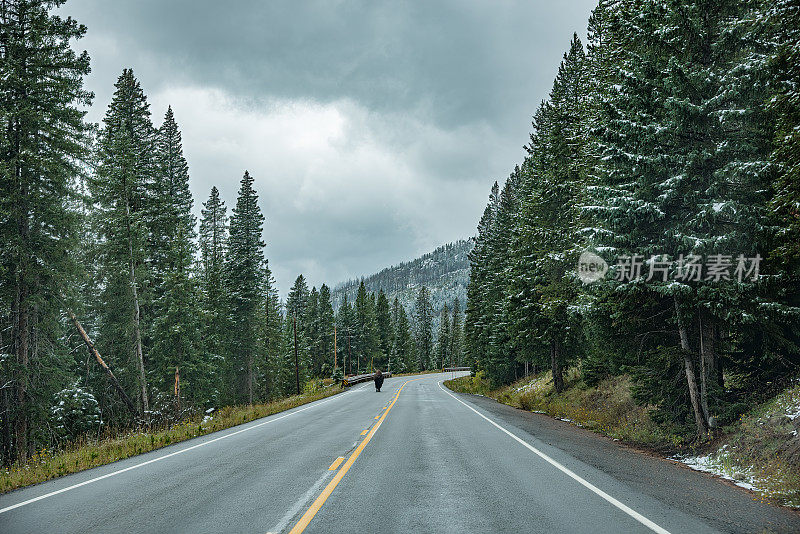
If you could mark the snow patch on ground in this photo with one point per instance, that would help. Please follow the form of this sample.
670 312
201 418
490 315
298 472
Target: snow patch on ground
712 463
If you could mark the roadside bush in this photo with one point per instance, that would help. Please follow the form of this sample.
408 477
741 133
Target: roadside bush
75 412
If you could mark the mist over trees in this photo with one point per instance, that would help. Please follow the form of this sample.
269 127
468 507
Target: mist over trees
668 147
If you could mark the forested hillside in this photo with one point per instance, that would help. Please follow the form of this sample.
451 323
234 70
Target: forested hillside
668 149
445 272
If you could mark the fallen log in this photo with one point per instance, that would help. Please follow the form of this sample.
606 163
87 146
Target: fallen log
105 367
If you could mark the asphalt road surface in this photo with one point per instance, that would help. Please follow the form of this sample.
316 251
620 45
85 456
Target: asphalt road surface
413 458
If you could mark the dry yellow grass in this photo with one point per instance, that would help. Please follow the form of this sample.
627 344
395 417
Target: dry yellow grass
85 454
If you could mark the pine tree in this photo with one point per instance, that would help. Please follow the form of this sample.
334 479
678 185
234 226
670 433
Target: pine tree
272 336
476 324
325 330
444 340
176 343
245 284
402 355
456 335
346 328
297 301
684 171
213 248
311 330
546 240
383 323
423 319
126 169
500 354
44 140
366 345
784 22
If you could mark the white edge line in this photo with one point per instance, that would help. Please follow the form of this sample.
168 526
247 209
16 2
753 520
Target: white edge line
300 503
630 511
187 449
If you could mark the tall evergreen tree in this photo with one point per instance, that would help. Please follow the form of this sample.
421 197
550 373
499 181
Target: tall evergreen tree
312 332
213 248
383 323
121 190
477 324
346 328
456 334
272 336
444 340
245 284
423 325
784 27
297 301
44 138
325 330
367 344
176 340
402 355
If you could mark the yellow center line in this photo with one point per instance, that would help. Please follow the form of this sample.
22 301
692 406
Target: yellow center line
365 431
336 463
317 504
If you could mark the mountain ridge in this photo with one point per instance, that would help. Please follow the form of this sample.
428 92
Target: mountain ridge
445 271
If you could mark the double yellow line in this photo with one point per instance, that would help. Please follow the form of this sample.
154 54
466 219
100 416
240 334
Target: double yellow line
317 504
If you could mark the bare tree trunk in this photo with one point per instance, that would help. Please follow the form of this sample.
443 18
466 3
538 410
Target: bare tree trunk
703 373
250 378
136 318
21 338
6 383
718 372
96 354
555 366
6 431
694 395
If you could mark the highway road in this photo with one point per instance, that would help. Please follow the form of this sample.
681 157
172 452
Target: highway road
413 458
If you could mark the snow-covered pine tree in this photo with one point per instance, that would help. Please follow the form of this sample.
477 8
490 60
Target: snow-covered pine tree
476 328
443 341
546 240
456 334
783 21
383 323
684 161
423 330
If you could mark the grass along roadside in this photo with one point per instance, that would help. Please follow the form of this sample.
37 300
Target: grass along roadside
46 465
761 451
608 408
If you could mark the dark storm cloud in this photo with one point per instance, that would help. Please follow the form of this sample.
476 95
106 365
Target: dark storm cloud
422 105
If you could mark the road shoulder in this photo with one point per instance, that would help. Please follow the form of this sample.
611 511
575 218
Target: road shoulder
709 498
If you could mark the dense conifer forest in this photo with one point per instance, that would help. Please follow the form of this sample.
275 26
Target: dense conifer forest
652 227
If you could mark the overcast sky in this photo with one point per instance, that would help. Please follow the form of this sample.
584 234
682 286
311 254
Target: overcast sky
373 130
